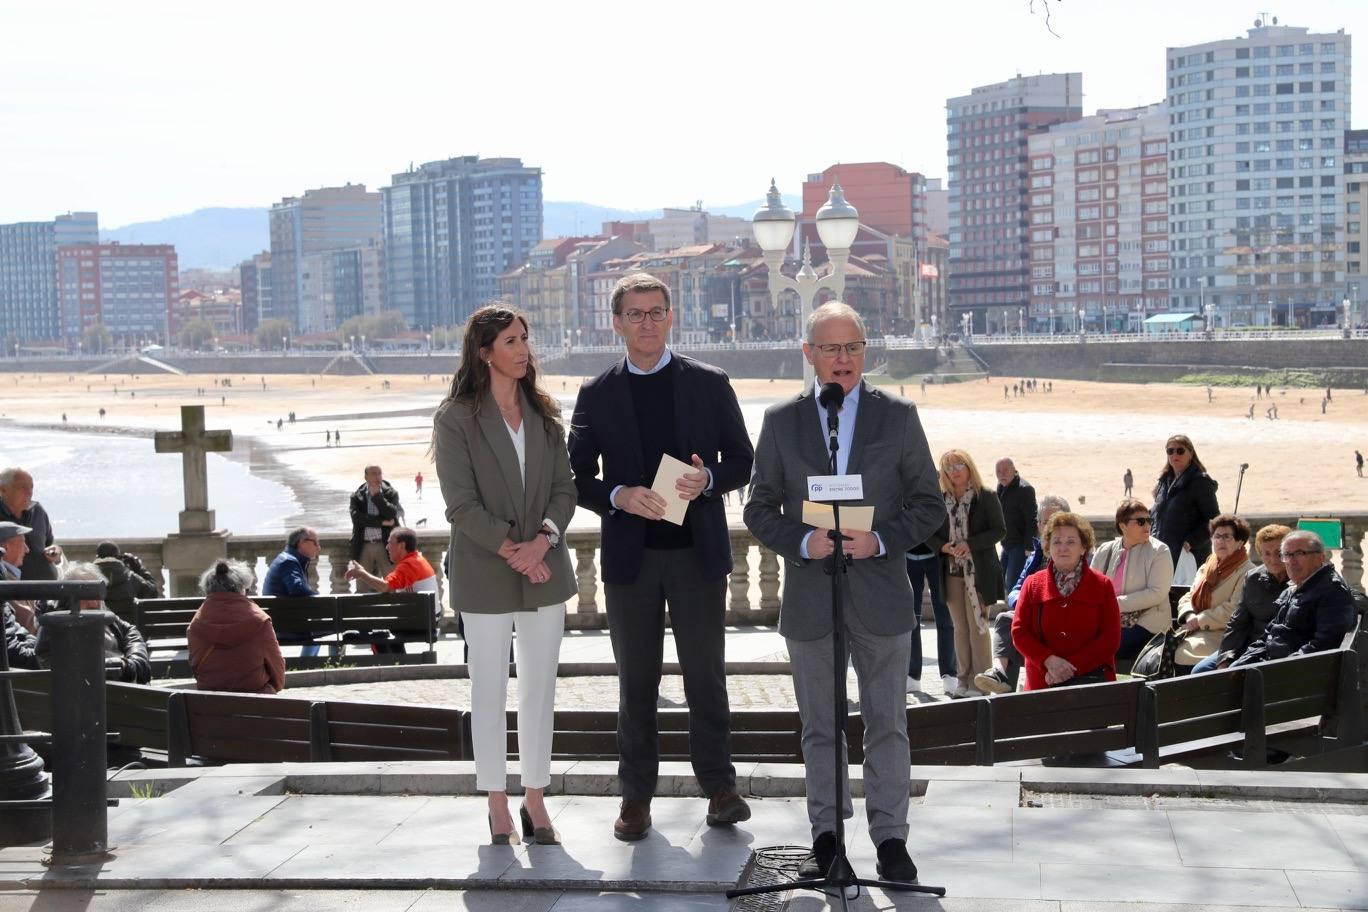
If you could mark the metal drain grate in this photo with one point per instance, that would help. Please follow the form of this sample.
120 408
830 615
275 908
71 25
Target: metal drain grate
769 866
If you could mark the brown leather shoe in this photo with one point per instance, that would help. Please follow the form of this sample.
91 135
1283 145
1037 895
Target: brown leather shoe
634 819
726 808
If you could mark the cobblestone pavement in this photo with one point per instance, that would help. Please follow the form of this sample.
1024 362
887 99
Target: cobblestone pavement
767 691
746 691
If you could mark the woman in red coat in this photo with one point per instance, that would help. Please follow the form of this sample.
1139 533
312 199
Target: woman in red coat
1068 623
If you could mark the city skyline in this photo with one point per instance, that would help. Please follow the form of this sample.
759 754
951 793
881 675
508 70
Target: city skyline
153 110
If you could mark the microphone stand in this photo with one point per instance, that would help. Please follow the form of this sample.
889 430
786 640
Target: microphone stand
840 875
1239 483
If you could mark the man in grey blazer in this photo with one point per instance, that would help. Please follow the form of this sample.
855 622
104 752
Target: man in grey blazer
881 440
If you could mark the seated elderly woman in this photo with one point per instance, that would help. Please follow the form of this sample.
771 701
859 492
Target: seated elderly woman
1141 571
125 653
232 643
1067 624
1206 608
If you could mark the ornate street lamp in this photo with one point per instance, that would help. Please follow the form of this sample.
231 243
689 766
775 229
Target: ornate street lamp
837 225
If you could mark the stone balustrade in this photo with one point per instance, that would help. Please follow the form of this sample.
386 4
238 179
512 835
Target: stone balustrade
753 591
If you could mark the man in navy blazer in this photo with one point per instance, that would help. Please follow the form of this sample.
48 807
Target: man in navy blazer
655 402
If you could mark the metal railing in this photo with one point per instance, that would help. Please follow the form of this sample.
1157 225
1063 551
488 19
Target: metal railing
753 589
1217 335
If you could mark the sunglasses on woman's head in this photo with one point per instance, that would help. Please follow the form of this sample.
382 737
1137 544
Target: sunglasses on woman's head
1176 451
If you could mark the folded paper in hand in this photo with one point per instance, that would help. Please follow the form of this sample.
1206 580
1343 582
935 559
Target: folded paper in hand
822 516
670 471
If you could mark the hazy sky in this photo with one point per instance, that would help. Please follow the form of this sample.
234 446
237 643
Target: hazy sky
142 109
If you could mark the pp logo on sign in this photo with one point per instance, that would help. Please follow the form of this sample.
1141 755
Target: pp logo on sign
835 487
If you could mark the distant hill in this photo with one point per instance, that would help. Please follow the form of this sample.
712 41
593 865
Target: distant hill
206 238
220 238
569 219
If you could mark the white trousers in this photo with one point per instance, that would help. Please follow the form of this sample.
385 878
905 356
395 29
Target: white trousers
537 656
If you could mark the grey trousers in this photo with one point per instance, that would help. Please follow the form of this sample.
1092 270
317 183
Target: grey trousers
881 670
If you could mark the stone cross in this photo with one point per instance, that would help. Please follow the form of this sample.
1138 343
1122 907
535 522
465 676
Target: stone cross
192 441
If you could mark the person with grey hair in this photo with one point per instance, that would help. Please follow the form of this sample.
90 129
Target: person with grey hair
125 652
881 439
1313 613
233 646
18 506
1007 662
288 575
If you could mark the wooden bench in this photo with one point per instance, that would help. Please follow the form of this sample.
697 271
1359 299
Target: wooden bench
365 731
363 619
215 727
240 728
134 712
1063 721
1235 707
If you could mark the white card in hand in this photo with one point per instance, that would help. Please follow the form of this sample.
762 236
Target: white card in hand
670 471
822 516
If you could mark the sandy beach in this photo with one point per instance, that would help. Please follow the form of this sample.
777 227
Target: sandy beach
1076 441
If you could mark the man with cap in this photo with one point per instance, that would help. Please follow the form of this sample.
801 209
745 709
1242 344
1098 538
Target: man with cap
18 506
20 644
127 577
13 548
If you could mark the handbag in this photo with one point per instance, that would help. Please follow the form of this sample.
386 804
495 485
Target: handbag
1096 676
1155 660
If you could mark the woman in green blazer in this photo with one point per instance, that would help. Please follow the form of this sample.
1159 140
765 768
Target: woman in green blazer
501 461
971 573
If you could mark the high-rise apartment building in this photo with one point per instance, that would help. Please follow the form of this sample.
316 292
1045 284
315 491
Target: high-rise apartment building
1099 223
254 277
127 288
1356 223
989 190
888 198
322 221
1256 182
451 228
28 272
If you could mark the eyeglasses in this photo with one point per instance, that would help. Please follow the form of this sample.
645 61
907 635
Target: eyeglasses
831 350
314 540
1222 536
1298 554
1176 451
1141 520
657 315
955 467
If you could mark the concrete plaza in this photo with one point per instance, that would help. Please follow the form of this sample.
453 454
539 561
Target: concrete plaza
390 836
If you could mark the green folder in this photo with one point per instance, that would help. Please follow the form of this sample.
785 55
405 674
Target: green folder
1331 531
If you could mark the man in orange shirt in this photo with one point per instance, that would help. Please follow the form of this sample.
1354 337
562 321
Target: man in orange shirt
411 573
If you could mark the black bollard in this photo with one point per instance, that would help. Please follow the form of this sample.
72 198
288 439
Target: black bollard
79 751
21 774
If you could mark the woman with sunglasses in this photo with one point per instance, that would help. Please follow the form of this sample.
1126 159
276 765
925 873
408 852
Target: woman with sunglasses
1206 608
971 573
1141 572
1184 501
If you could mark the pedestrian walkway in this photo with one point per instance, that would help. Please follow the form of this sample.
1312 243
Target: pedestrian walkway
411 832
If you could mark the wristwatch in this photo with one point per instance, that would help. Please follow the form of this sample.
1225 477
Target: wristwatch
552 538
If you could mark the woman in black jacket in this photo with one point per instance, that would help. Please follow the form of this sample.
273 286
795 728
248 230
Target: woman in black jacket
971 574
1184 501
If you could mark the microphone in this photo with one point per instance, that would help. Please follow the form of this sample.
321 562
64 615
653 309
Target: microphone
1244 466
830 398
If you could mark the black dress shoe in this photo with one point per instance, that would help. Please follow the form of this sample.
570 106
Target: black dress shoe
894 862
819 861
